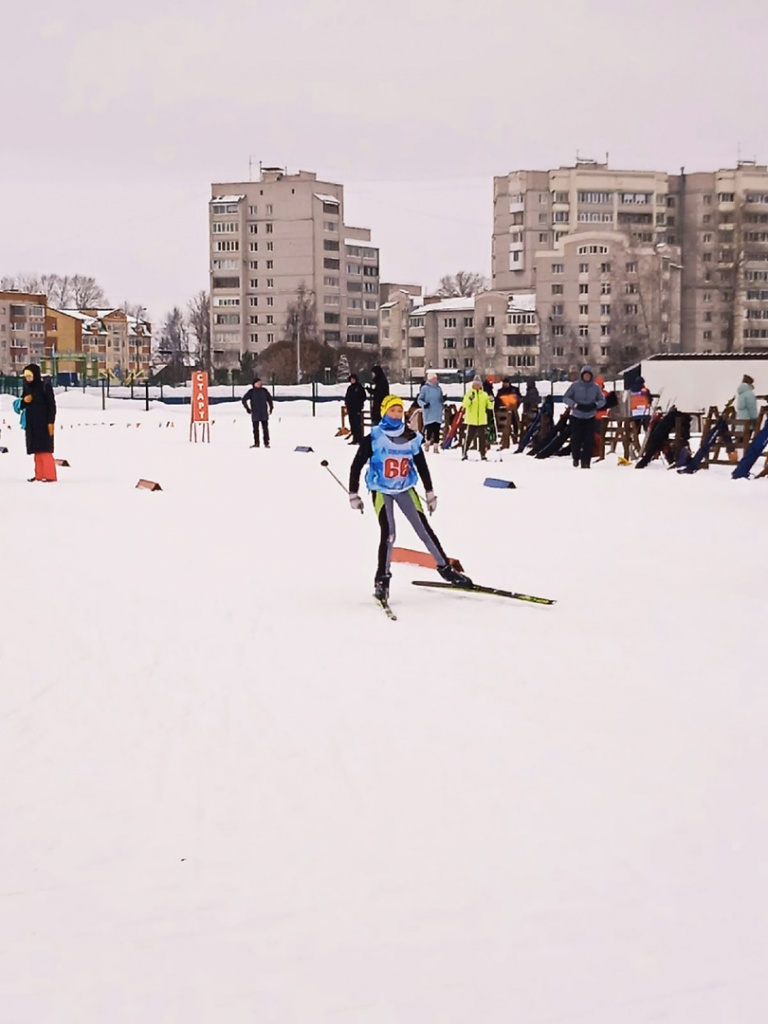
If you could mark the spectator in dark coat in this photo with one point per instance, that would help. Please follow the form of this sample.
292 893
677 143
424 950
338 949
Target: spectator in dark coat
39 405
355 403
259 404
379 391
531 400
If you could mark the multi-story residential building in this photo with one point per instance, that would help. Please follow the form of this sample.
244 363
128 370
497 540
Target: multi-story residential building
535 210
98 342
22 330
491 333
396 303
721 222
605 301
279 246
706 232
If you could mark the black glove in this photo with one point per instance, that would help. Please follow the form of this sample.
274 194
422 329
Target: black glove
586 406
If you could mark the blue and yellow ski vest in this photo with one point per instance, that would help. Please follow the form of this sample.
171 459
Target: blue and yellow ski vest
391 469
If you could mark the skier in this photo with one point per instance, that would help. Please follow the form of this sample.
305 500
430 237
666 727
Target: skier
260 408
355 403
477 406
38 403
396 461
431 399
584 397
379 391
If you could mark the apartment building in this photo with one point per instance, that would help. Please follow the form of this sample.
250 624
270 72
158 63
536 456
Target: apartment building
605 301
22 330
709 233
98 342
491 333
722 228
280 242
397 301
535 210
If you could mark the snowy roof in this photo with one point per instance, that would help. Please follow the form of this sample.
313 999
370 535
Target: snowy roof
227 199
525 301
360 244
327 199
707 355
447 305
387 305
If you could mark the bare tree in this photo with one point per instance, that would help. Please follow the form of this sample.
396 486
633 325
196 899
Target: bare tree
199 316
86 293
463 283
173 343
61 291
301 316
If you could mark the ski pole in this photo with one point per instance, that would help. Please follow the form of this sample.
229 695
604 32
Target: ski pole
324 464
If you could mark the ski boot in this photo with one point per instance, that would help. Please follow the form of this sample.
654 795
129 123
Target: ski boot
453 576
381 586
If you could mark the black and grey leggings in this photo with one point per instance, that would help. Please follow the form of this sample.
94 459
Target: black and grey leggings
409 504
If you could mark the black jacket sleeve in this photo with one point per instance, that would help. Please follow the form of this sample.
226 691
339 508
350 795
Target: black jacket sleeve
270 401
50 403
362 455
245 399
420 462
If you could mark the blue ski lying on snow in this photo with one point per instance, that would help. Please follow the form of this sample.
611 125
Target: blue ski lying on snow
477 589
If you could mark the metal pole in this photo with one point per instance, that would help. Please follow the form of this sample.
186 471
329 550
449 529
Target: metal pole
146 396
103 395
298 347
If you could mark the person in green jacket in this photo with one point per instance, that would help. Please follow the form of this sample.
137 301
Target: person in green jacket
477 407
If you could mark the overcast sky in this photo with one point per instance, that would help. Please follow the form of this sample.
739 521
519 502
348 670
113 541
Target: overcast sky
117 117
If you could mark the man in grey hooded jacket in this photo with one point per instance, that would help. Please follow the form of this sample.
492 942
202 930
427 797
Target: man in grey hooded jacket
583 398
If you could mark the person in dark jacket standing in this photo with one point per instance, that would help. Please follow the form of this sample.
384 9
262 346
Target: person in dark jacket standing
39 405
259 404
355 403
584 397
379 391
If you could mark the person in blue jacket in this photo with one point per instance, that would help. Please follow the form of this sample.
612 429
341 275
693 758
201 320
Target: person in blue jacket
432 400
584 397
395 462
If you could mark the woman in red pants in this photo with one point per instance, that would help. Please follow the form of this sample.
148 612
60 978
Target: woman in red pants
39 404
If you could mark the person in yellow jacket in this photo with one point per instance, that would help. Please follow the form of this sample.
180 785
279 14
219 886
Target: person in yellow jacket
477 407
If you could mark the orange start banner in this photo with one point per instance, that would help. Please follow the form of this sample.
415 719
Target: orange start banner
199 397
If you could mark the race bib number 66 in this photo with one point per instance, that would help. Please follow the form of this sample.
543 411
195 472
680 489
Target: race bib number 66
394 468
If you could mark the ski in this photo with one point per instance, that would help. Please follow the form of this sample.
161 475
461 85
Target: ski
384 605
476 589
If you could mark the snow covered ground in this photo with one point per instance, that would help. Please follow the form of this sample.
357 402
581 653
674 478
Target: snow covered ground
231 791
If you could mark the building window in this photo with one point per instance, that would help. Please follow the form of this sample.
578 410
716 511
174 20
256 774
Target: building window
595 197
557 289
270 300
584 309
635 198
254 319
253 247
253 211
490 321
253 300
227 245
469 343
583 289
725 197
490 342
469 321
605 268
544 237
605 288
558 350
270 318
558 268
253 229
560 197
449 343
605 309
560 217
605 330
583 268
584 330
450 364
270 339
449 321
558 331
631 309
557 309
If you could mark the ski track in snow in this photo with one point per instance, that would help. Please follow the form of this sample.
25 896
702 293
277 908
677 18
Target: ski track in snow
233 791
